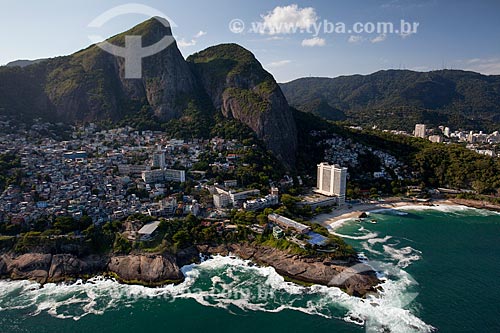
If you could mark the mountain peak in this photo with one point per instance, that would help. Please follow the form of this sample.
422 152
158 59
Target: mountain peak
151 31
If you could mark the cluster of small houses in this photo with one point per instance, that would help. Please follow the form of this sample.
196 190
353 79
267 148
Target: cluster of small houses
95 171
346 152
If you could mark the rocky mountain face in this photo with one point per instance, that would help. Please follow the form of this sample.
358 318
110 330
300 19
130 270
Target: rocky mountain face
90 85
238 85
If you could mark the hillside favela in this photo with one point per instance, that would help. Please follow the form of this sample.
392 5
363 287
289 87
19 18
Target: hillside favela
235 166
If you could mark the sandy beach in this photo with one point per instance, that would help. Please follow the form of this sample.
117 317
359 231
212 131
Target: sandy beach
337 217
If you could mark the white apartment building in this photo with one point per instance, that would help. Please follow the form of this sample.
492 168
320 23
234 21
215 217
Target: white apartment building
332 181
420 131
153 176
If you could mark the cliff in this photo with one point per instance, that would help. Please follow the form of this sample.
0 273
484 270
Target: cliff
238 86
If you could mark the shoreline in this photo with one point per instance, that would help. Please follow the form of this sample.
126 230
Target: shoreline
153 270
334 220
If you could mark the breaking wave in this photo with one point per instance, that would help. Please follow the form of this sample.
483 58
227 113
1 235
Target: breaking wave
232 284
451 209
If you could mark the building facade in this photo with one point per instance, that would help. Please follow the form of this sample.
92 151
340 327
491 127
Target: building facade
332 181
420 131
158 160
153 176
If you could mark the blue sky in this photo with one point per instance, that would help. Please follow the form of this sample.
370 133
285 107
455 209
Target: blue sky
457 34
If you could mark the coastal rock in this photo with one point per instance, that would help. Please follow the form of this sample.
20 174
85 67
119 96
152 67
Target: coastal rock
356 280
31 266
150 270
3 267
64 266
187 256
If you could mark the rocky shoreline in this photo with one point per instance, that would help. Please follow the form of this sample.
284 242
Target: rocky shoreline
159 269
479 204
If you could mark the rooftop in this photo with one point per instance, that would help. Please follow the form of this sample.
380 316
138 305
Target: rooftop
149 228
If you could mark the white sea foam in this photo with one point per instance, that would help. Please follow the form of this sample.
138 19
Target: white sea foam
339 223
362 237
379 240
404 256
232 283
368 248
390 211
450 209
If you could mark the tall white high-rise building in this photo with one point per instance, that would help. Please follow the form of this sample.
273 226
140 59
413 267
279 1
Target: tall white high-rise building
332 181
420 130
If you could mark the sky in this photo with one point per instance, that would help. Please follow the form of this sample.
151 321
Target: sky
291 39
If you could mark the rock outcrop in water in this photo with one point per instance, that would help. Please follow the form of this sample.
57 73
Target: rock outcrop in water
44 268
158 269
317 270
150 270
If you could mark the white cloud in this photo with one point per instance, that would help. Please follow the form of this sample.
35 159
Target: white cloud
279 63
380 38
490 66
201 33
187 43
183 43
287 19
316 41
353 39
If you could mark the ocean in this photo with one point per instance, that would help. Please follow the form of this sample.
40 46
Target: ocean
439 265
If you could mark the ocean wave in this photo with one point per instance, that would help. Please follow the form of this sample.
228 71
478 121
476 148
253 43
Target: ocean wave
379 240
389 211
229 283
339 223
451 209
369 235
404 256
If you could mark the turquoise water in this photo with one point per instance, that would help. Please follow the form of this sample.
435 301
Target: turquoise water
440 269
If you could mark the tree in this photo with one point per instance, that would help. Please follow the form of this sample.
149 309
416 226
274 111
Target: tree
181 238
65 224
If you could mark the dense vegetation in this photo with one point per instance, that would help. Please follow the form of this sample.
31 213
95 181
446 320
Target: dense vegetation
9 174
397 99
433 165
228 60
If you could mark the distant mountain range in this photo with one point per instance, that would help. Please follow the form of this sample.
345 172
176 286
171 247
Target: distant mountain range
400 98
89 85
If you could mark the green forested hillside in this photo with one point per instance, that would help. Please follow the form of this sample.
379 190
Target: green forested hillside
397 99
